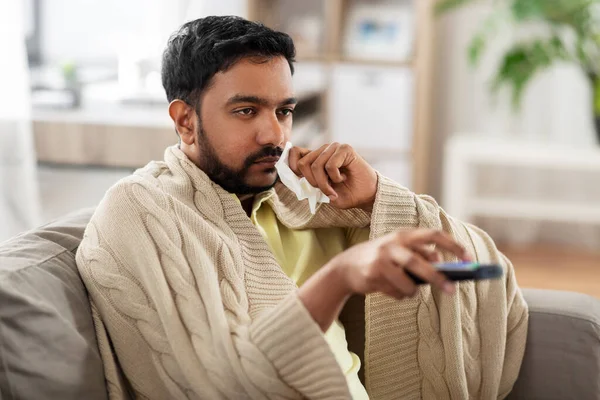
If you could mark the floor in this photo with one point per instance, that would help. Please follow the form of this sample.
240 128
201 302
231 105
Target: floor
549 267
66 189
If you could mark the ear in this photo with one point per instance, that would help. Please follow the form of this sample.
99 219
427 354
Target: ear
184 117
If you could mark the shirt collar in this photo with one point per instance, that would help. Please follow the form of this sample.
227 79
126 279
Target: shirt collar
259 198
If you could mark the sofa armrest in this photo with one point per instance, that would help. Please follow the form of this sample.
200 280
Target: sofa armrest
562 357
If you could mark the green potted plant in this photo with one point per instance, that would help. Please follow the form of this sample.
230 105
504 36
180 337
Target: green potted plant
72 83
571 34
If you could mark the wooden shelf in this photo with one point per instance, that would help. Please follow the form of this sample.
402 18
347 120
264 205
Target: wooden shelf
334 15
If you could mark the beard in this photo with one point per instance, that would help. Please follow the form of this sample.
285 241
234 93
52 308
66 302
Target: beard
232 180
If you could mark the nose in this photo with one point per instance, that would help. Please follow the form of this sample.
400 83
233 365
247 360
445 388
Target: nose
271 132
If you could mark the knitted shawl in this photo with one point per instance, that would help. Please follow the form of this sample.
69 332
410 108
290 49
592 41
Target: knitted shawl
189 302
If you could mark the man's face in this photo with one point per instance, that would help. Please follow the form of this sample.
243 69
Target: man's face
245 121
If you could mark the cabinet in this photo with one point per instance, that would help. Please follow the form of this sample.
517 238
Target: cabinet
371 107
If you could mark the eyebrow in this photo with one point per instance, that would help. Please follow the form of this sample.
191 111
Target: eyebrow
240 98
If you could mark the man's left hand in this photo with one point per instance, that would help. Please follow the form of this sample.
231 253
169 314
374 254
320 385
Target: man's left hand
343 175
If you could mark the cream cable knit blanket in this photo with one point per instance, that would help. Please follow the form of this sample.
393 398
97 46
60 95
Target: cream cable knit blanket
189 302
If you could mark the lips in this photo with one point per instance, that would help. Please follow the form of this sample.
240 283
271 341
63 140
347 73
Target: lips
267 160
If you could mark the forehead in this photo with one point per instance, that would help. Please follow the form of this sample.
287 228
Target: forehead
266 78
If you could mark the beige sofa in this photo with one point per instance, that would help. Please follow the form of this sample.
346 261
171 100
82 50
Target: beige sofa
48 349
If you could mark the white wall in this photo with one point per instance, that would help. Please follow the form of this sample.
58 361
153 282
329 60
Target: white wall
86 30
95 30
19 205
224 7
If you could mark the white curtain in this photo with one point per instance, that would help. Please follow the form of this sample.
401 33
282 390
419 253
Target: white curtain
556 108
19 202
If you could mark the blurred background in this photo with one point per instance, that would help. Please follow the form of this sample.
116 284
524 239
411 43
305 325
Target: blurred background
493 108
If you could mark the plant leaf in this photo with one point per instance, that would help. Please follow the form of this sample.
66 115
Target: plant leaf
489 29
577 14
596 90
476 48
524 61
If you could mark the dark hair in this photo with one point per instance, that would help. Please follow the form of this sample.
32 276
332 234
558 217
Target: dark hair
203 47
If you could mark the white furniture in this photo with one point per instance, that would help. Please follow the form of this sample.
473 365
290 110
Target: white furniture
371 107
464 154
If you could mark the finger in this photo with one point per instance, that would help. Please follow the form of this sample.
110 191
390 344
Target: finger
305 163
403 285
296 153
422 269
440 239
428 273
319 173
393 270
335 162
427 253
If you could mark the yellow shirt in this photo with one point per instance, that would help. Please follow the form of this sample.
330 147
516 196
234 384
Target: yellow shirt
300 254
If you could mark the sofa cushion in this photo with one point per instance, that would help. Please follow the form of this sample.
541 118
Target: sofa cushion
48 348
562 357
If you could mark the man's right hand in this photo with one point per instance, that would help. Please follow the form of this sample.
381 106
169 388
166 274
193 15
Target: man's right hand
380 265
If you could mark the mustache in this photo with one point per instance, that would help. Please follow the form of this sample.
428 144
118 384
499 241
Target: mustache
264 152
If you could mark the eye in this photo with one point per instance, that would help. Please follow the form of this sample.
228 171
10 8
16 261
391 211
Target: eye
286 112
245 111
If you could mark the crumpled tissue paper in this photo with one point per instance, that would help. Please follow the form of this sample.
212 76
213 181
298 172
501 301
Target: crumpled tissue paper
299 186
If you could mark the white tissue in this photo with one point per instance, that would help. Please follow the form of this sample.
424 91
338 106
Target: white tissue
300 186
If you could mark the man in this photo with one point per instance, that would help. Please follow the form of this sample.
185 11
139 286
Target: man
208 279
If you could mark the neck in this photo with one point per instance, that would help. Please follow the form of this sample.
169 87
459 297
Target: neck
247 200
